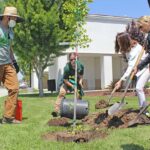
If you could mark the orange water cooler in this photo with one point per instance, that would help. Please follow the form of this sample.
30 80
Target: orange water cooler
19 110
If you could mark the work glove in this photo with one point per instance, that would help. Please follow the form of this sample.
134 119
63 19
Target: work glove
16 66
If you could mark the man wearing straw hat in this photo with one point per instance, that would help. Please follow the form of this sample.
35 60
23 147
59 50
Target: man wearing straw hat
8 64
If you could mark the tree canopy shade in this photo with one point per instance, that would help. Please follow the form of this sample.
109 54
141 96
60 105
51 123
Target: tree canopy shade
2 4
47 23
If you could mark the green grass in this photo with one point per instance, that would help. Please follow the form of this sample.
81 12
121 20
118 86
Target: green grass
147 85
36 113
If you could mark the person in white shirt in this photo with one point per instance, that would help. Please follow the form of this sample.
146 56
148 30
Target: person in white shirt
129 44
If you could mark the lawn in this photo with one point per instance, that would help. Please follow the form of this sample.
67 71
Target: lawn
36 114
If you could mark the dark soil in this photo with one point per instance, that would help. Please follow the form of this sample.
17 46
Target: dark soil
97 121
78 137
74 136
120 120
59 122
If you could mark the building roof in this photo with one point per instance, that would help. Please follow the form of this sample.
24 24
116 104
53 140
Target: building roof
108 18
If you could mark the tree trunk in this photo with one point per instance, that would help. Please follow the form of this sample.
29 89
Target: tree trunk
41 93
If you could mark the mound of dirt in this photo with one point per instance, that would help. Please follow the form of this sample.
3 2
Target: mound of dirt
59 122
120 120
78 137
101 104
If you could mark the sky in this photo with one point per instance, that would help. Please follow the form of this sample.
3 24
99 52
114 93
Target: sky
129 8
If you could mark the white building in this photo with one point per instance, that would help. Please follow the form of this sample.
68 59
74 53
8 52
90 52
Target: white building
102 65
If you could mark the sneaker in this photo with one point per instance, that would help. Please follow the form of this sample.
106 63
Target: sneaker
10 121
55 114
147 114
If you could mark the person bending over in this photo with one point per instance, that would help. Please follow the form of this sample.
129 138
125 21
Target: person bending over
68 82
128 44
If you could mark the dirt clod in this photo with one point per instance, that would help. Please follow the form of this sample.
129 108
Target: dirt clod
59 122
101 104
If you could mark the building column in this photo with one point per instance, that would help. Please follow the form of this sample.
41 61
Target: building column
106 71
56 70
61 62
34 80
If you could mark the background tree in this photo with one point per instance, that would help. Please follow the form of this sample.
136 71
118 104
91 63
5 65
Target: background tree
47 23
2 4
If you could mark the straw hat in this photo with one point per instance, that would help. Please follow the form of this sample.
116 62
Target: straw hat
11 11
144 19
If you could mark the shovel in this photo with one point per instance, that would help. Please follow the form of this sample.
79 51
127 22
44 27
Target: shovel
111 95
117 106
134 121
107 101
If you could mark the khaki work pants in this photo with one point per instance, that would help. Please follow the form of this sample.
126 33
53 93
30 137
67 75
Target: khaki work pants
9 79
62 93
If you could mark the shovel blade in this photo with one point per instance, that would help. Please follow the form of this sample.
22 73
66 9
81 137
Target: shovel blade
132 122
115 108
135 121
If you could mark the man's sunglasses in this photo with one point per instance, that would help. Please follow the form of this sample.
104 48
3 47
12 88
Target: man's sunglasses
72 59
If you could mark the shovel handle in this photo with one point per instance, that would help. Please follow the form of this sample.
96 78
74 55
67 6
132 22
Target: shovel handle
113 91
143 109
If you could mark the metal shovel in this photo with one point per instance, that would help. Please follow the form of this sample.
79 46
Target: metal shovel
134 121
117 106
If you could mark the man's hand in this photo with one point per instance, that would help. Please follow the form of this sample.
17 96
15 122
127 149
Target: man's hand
135 70
16 66
81 83
75 90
